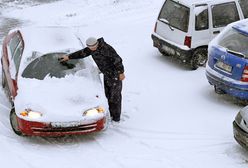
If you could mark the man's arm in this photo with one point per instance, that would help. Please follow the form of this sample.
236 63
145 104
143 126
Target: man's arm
76 55
117 61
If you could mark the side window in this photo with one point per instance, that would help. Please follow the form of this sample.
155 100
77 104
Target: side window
14 42
16 48
223 14
17 55
201 17
243 5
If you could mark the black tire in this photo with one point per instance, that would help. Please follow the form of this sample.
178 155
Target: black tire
163 52
199 58
14 123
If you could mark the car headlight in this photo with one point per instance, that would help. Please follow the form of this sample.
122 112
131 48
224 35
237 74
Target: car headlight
94 111
31 114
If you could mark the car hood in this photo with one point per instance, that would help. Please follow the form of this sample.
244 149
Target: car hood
59 99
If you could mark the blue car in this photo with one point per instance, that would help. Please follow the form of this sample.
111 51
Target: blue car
227 66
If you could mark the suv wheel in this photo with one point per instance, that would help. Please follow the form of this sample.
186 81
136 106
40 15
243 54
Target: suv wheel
13 122
163 52
199 58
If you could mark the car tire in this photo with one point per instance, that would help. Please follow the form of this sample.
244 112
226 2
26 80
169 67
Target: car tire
199 58
14 123
163 52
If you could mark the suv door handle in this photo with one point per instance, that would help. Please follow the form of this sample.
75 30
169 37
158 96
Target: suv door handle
216 32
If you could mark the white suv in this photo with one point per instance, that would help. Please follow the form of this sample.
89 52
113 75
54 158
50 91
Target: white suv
185 27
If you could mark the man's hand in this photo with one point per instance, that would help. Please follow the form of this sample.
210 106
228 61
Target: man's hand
64 58
121 76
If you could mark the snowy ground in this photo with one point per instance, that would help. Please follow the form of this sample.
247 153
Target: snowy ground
172 117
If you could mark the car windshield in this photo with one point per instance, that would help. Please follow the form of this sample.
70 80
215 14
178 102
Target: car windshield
48 65
176 14
235 41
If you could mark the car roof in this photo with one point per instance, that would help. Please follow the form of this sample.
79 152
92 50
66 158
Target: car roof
195 2
39 41
49 39
241 26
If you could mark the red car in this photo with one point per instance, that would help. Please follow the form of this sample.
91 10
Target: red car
50 98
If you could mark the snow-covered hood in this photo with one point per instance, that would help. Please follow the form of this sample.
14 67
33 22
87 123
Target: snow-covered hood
59 99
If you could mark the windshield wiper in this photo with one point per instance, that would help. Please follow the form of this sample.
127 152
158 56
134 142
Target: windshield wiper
166 22
236 53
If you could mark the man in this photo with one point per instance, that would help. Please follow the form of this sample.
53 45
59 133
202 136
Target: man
110 64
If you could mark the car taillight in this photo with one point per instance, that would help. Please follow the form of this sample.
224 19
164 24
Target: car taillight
155 27
187 41
245 75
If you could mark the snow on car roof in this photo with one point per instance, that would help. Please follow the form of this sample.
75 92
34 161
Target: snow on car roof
241 26
43 40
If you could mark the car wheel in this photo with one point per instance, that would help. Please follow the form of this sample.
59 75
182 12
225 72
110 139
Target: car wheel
14 122
163 52
199 58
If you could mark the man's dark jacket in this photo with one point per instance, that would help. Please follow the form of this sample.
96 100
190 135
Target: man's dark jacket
106 58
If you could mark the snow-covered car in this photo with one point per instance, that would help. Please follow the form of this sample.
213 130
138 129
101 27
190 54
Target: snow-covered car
50 98
240 127
185 27
227 67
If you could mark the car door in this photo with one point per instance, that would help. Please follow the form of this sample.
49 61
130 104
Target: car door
222 14
12 50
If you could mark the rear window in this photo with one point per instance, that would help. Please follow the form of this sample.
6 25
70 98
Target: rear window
235 41
244 5
176 14
223 14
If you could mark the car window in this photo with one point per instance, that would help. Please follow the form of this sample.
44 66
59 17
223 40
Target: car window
177 15
48 65
235 41
223 14
13 43
244 5
17 55
201 17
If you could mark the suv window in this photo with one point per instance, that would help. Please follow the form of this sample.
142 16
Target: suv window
244 4
223 14
14 43
201 17
176 14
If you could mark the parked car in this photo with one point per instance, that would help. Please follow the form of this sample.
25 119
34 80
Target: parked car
240 127
185 27
227 67
50 98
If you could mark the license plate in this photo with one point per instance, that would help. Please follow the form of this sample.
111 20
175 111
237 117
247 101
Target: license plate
169 50
224 66
65 124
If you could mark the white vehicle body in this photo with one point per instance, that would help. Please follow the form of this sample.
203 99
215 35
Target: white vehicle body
170 39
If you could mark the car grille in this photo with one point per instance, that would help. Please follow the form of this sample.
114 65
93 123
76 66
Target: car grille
80 128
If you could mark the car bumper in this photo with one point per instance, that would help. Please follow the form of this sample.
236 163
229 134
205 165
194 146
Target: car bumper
171 49
240 135
30 128
229 86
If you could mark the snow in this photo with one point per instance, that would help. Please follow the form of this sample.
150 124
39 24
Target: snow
171 116
60 99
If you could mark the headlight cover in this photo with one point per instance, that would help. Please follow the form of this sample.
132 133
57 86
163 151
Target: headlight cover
31 114
94 111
